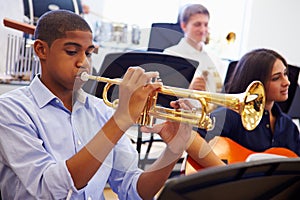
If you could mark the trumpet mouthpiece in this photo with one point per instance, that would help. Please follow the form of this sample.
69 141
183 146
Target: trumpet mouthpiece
84 76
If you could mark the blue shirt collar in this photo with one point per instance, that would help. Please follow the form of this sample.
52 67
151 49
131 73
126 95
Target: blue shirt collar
276 110
44 96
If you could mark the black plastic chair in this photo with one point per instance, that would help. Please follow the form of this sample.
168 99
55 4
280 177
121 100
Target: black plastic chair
294 109
164 35
39 7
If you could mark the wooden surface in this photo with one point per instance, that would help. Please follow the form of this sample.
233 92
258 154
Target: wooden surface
26 28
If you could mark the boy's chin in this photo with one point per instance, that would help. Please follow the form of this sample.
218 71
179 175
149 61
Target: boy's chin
78 84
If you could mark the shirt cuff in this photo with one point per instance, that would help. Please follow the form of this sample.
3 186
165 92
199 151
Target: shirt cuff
60 189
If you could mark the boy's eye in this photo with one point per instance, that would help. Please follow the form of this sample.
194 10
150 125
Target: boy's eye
88 54
71 53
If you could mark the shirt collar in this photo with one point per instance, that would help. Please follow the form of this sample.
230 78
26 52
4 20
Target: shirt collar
40 92
82 96
276 110
185 43
44 96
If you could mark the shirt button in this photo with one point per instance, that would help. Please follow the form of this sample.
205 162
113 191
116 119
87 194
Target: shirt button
268 125
78 142
266 112
89 198
57 101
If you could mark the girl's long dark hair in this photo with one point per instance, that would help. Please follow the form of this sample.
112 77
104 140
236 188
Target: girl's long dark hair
254 65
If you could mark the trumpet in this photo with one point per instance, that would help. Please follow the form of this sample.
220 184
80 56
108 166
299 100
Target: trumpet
249 104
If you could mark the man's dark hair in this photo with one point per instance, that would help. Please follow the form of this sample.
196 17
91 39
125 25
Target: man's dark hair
192 9
54 24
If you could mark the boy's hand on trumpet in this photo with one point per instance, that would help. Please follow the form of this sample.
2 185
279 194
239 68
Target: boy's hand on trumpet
134 90
175 134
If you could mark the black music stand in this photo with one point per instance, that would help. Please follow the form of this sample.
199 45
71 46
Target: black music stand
264 179
174 71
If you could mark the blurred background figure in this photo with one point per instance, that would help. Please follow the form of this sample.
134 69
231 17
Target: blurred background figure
194 19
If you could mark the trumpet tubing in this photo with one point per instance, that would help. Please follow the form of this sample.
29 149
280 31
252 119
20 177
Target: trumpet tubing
249 104
85 77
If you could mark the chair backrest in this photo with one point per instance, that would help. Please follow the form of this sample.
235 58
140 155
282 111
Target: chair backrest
33 9
164 35
293 77
230 70
294 109
174 71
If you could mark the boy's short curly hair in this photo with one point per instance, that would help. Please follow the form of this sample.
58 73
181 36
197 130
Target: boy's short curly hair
54 24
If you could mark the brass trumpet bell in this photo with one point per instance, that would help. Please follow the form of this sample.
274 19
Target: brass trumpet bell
249 104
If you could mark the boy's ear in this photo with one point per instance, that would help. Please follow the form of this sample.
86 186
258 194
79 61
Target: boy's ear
183 26
40 48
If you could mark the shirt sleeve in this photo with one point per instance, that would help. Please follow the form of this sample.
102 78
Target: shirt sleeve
24 154
125 173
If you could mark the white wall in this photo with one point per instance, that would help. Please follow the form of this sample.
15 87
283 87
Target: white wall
14 10
226 16
273 24
257 23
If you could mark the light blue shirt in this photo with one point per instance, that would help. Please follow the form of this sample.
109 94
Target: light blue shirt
38 134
